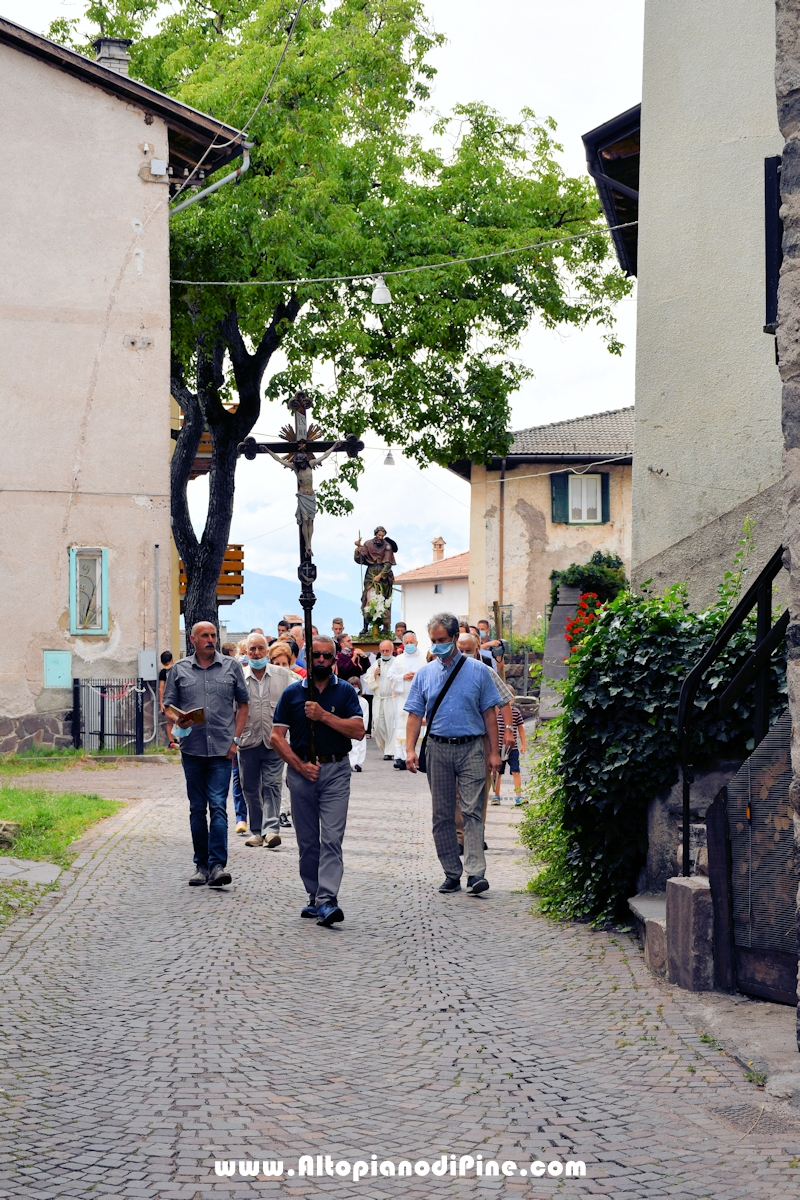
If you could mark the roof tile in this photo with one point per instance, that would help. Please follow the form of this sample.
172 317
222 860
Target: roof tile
455 567
600 433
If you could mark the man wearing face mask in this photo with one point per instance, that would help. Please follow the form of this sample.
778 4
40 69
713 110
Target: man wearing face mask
260 767
454 749
320 790
404 668
379 679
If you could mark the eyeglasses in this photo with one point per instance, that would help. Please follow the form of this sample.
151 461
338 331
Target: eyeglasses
322 654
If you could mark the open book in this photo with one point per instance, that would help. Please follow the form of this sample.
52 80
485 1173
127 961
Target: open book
197 715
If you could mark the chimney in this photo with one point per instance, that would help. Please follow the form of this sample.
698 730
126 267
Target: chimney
438 549
113 53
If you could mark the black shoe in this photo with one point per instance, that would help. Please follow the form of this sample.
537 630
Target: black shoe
328 913
357 768
477 884
461 849
387 758
309 911
485 846
284 821
219 876
450 885
400 764
200 878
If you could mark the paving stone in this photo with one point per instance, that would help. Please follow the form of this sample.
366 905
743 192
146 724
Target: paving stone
148 1028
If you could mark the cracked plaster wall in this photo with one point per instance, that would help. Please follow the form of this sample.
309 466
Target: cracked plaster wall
534 545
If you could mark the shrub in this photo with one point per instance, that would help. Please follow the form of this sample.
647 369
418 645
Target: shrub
604 574
616 745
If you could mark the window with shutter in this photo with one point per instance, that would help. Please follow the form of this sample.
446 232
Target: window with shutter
559 494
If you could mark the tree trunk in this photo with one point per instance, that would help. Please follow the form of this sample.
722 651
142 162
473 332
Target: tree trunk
787 75
202 559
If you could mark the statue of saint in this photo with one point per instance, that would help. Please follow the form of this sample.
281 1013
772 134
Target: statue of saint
377 555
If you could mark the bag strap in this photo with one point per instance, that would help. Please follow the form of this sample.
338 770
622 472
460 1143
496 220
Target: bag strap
439 700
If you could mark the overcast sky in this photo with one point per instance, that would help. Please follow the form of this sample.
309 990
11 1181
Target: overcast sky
578 61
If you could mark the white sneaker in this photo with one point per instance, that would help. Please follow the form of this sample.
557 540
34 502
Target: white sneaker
255 840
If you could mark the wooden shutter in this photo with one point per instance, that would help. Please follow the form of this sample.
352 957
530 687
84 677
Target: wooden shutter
606 496
559 495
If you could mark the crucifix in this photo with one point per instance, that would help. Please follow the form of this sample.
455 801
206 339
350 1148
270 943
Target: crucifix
301 451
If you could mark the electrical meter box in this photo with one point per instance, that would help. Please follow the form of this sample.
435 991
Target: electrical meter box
147 665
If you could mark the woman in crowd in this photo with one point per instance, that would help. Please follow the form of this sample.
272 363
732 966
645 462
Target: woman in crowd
280 655
350 663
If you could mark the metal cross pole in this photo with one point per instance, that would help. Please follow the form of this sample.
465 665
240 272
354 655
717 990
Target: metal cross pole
300 455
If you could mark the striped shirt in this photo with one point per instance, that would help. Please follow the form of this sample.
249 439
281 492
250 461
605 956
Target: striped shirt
516 717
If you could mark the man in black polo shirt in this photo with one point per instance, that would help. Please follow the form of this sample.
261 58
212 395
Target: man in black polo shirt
320 791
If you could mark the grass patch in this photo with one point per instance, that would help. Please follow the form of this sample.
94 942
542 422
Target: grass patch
50 821
40 758
17 899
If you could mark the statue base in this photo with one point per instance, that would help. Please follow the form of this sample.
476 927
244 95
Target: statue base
369 643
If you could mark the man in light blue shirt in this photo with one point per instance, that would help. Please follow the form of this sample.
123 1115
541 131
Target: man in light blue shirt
455 749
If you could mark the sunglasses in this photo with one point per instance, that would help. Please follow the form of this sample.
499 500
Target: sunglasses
322 654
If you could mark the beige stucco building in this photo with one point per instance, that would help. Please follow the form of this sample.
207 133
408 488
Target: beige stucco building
694 168
562 492
85 326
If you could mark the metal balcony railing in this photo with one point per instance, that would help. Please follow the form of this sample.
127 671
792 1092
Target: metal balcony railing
755 671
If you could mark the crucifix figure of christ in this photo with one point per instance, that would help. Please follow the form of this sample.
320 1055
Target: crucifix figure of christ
301 451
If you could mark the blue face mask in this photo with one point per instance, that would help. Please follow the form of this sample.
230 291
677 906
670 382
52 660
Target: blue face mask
258 663
442 649
410 648
387 657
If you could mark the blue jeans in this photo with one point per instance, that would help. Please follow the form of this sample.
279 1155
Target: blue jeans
207 783
239 802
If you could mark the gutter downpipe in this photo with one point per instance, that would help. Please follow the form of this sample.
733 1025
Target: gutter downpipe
501 531
234 175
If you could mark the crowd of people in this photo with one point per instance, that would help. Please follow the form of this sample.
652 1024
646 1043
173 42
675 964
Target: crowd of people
248 715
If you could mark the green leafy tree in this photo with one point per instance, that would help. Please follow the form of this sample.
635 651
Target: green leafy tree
340 186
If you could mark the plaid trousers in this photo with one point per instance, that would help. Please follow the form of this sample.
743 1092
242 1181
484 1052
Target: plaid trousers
446 765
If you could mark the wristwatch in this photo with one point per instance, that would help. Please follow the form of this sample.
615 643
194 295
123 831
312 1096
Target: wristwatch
237 741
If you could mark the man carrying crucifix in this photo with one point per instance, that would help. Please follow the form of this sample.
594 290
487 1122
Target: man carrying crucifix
377 555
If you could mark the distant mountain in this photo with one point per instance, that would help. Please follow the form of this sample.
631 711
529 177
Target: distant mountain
267 597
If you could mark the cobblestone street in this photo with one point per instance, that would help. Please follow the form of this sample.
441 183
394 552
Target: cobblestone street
149 1029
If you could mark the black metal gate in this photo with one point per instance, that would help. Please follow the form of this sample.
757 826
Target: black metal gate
751 836
108 715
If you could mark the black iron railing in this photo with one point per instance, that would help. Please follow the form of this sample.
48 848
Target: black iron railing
755 671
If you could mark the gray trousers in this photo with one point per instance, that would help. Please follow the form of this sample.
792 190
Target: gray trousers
446 765
319 815
260 771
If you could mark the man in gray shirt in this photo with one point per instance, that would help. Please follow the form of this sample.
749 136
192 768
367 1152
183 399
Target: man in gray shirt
216 684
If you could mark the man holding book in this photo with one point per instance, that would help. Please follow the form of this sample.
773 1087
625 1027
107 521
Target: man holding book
209 701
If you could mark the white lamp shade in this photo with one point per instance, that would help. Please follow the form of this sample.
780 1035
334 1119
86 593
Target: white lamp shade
381 293
389 460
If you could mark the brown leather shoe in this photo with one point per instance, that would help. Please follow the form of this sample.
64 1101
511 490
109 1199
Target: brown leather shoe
272 842
254 840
